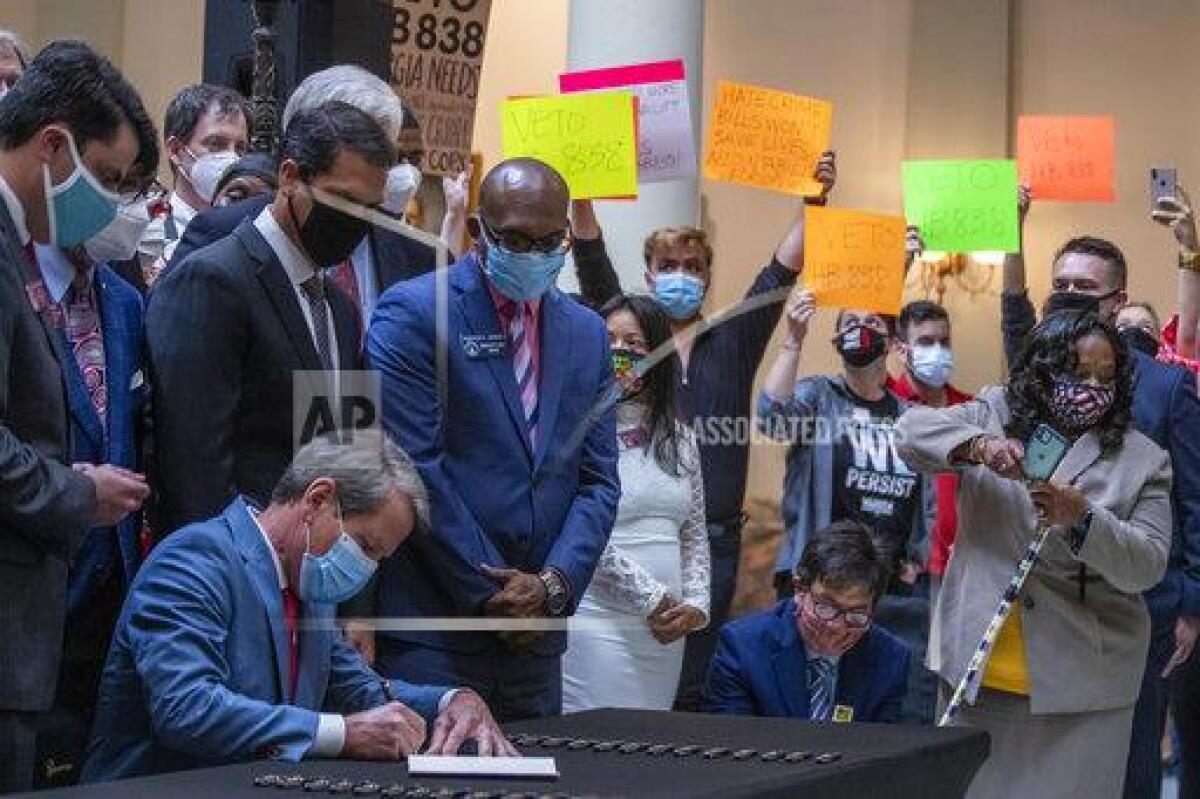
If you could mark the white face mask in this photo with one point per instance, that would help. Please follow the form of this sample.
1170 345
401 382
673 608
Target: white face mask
119 241
402 183
931 365
207 170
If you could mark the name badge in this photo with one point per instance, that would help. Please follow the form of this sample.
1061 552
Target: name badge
843 714
494 345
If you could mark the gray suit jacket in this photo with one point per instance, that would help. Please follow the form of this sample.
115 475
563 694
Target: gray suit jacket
1100 628
45 507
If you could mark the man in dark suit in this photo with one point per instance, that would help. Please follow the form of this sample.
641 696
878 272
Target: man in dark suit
1090 274
514 441
816 656
384 258
71 113
229 333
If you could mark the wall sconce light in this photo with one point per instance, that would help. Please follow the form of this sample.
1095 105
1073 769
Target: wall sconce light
934 272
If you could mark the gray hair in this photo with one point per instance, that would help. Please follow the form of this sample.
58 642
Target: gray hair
18 45
353 85
367 467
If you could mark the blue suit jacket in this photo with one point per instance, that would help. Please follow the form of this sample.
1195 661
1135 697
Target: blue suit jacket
1166 410
121 317
495 498
761 669
196 673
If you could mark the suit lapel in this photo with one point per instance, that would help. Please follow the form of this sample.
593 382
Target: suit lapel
80 402
388 260
119 352
790 664
278 285
479 313
556 348
1079 458
316 627
261 567
346 328
853 668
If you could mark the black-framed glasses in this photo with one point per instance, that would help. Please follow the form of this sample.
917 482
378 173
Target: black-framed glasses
520 242
826 611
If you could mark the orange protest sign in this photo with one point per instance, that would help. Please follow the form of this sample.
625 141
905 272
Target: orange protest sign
854 259
767 138
1067 158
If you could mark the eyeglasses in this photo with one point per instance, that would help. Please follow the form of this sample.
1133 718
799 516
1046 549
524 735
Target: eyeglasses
826 611
520 242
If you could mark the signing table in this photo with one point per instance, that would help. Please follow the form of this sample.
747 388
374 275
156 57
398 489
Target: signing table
610 753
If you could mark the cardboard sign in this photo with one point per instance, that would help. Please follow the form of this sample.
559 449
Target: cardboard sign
591 139
854 259
665 147
437 56
1067 158
767 138
963 206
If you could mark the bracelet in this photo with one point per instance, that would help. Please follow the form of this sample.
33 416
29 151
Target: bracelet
1189 261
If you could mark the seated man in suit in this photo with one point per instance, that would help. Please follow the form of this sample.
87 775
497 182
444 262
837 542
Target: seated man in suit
512 436
384 257
227 647
816 656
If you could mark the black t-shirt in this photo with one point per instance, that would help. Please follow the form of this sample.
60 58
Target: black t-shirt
872 484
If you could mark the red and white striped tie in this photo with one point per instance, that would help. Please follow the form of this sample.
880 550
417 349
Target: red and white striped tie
524 368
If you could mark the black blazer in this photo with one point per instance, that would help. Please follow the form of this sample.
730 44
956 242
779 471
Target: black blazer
394 257
225 335
45 507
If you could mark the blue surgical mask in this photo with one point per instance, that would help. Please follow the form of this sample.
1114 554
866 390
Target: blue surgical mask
79 207
680 294
932 365
522 276
337 575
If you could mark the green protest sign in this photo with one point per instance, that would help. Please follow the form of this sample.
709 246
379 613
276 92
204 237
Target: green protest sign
963 206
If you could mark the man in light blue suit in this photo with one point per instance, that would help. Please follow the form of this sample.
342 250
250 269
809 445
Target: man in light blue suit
517 447
228 649
816 656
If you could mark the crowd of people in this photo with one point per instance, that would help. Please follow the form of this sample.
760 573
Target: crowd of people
186 581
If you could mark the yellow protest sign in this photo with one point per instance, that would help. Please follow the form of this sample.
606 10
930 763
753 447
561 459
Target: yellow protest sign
767 138
854 259
591 139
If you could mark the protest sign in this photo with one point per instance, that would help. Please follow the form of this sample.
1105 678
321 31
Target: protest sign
854 259
963 206
665 147
437 55
767 138
1067 158
591 139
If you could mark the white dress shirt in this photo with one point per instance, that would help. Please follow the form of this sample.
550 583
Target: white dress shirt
58 273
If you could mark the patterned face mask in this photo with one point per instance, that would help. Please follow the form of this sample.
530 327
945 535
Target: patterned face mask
1080 406
625 362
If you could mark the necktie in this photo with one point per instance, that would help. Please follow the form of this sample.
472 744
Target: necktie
314 290
291 611
524 367
821 673
345 278
87 342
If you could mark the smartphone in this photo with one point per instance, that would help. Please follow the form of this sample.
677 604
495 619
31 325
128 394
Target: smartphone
1043 453
1162 184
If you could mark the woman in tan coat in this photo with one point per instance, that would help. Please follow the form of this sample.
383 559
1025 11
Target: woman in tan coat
1058 691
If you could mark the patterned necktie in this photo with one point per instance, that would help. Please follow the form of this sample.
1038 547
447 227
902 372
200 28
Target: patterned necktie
87 342
821 673
524 367
314 290
345 278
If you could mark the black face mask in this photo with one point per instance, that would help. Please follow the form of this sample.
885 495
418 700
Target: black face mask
1138 340
860 345
328 235
1075 301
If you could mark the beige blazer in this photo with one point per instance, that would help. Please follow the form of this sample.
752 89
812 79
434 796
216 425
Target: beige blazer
1083 652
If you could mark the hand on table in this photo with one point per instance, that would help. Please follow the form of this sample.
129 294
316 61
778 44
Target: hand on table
386 732
467 718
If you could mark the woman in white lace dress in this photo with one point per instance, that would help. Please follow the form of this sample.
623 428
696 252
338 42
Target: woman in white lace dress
651 587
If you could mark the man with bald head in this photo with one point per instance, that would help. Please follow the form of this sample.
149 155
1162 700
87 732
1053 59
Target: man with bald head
516 446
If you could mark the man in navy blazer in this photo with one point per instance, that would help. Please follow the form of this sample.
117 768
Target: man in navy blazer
228 647
816 656
514 440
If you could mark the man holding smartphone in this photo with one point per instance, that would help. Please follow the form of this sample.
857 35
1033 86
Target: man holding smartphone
1089 274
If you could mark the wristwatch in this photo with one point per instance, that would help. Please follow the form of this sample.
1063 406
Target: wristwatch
556 592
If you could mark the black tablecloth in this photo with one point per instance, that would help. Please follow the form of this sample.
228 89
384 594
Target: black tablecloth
875 761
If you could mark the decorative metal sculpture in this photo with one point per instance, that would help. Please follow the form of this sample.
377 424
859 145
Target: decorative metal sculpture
264 108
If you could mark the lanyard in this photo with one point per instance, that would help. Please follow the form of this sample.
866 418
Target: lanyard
979 659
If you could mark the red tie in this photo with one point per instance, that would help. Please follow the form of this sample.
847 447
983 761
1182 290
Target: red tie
345 278
291 610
